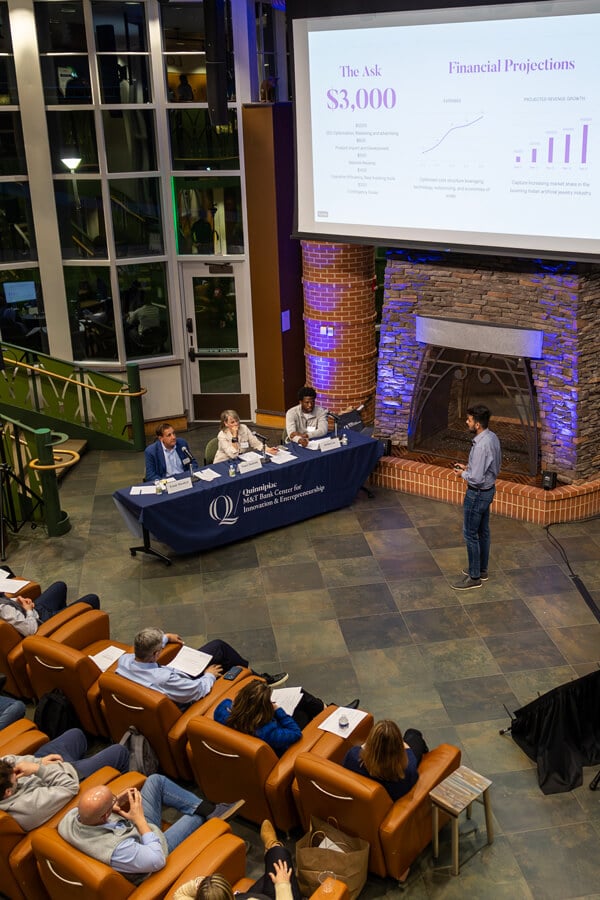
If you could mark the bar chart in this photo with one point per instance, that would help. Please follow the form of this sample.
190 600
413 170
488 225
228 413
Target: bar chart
568 147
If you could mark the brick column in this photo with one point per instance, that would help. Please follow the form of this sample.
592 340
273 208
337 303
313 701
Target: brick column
339 324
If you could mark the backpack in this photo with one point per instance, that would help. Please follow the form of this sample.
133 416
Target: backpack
55 714
142 757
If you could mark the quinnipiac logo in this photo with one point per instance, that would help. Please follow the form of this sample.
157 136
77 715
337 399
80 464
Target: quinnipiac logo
221 509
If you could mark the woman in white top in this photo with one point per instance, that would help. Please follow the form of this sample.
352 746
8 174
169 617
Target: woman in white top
235 438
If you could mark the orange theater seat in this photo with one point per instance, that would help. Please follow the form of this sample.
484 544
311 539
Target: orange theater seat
21 738
12 658
159 719
19 877
228 764
227 855
64 662
397 832
69 874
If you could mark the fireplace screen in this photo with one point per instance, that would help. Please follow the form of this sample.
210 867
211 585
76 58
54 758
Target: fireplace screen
451 380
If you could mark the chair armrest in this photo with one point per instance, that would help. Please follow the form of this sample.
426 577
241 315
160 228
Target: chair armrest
66 615
226 854
337 891
32 590
86 628
21 738
156 886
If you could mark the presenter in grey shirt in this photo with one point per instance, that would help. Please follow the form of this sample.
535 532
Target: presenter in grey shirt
480 473
307 420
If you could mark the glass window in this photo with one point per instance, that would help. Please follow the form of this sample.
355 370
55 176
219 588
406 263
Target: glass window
60 27
80 218
123 79
129 140
17 236
208 215
217 330
22 319
66 79
186 78
135 207
8 82
91 314
145 310
196 144
119 27
183 27
12 149
73 135
5 42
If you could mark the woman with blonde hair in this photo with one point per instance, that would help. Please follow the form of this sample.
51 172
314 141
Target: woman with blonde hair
389 758
253 712
235 438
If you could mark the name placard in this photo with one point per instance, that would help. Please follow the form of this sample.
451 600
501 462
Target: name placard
330 444
181 484
249 466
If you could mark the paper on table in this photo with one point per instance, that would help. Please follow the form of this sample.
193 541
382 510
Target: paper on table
12 585
287 698
282 457
207 474
332 722
192 662
142 489
106 657
250 456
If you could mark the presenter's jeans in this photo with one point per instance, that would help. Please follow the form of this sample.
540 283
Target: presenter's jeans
54 598
72 745
476 529
159 791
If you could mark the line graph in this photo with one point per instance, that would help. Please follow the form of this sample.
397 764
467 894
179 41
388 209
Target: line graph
450 130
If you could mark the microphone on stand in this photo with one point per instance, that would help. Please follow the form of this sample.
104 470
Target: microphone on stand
336 419
265 441
190 458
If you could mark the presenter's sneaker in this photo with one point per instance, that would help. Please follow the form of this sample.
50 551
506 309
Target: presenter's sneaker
226 810
354 704
275 680
467 584
484 575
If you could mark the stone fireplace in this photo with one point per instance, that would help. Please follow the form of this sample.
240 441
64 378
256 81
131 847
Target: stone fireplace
520 335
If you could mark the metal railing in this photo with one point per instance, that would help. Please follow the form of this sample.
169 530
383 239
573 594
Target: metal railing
29 458
40 390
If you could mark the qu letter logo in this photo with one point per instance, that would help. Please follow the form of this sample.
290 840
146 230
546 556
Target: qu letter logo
220 510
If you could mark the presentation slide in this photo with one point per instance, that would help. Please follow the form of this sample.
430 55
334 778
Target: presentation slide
425 127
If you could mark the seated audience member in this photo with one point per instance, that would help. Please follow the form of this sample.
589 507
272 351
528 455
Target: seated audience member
306 420
142 667
34 788
389 758
168 455
26 615
10 710
125 832
253 712
235 438
277 883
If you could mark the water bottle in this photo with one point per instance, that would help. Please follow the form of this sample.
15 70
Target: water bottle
158 486
231 469
344 440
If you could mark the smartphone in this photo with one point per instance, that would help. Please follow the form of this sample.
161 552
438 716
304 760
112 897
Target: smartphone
122 801
232 673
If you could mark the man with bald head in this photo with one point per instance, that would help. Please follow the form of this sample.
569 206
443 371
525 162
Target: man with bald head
125 832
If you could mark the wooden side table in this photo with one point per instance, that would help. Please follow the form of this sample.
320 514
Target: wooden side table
454 795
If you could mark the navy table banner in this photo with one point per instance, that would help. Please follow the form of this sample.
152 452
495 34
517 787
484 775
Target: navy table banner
229 509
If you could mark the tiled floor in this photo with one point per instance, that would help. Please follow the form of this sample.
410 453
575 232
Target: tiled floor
376 578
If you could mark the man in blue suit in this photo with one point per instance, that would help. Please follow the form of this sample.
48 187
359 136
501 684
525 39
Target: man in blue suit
168 455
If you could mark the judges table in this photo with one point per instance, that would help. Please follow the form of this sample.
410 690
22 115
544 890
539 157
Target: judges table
231 508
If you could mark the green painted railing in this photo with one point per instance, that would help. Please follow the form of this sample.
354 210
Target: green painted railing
40 390
29 458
